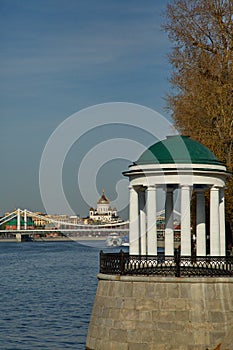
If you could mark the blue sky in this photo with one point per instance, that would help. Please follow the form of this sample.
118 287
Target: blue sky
60 56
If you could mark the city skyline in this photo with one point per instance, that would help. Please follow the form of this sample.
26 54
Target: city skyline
59 57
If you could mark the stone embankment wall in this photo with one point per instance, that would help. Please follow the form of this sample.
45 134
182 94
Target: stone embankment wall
161 313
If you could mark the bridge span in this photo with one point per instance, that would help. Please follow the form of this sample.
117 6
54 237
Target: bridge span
59 227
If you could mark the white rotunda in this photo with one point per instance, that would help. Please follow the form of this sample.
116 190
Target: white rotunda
182 164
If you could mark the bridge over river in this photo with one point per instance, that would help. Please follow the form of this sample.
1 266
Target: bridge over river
24 227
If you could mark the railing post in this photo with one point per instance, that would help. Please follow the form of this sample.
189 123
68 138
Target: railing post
177 263
122 262
229 263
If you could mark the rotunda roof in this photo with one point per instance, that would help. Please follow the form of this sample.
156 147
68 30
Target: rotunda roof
177 149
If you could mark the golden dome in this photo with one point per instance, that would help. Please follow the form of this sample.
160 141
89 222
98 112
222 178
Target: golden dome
103 199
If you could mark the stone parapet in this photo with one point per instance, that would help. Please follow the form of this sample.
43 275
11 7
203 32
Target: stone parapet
161 313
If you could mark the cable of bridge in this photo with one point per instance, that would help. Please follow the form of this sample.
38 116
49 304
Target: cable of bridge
9 216
73 224
83 227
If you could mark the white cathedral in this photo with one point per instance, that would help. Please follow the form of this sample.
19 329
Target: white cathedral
103 211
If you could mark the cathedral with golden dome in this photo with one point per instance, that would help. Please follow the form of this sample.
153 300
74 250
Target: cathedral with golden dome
103 212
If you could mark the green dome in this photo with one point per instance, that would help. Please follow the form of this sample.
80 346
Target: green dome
178 149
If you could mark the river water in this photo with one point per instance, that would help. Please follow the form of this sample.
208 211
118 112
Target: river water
47 291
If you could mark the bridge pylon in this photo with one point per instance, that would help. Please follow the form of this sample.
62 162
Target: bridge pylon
25 219
18 219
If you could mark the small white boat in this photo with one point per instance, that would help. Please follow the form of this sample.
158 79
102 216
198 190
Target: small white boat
113 240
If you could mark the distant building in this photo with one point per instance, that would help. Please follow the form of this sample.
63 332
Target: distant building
38 220
12 224
103 212
61 220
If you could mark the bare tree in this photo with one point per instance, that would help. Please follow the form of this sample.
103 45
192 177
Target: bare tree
202 61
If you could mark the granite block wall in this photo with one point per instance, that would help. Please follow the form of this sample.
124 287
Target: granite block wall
161 313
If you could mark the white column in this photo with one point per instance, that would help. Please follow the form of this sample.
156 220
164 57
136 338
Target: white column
25 219
185 220
143 240
222 223
151 221
200 223
169 222
133 222
214 222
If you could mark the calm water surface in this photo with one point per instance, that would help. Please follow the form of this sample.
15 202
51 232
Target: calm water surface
47 293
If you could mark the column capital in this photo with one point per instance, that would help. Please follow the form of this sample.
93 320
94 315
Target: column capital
151 188
215 188
188 186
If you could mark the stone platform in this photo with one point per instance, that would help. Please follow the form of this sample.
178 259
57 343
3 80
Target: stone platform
161 313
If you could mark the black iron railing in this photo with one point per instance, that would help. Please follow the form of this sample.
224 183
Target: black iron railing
179 266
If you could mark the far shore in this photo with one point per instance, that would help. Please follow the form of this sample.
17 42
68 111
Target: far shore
55 239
